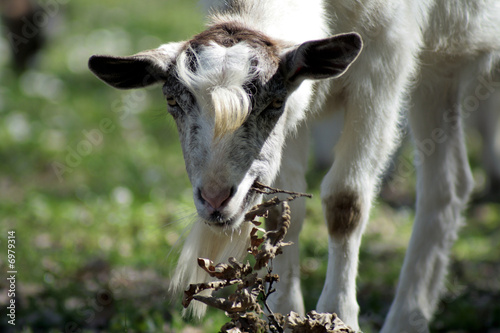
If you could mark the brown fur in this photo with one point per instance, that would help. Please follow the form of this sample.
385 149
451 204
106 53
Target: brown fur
231 33
343 213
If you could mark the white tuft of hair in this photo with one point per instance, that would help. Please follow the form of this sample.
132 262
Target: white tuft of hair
218 82
204 241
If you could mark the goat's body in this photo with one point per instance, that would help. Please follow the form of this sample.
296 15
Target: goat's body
425 53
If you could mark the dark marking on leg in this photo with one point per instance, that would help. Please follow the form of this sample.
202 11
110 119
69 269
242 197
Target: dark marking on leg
343 213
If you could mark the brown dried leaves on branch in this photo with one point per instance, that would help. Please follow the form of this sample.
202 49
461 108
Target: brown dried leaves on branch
317 323
272 242
262 209
243 306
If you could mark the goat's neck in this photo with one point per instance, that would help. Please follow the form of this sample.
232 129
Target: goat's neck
293 21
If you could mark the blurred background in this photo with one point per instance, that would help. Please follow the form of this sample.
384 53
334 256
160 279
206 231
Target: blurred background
92 181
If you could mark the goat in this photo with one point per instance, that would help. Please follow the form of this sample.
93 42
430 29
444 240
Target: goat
240 92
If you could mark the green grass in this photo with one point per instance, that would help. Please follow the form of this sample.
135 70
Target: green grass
93 182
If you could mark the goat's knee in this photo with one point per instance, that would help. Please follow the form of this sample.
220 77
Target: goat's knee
343 213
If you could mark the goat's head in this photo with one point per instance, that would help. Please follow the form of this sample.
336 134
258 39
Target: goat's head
234 94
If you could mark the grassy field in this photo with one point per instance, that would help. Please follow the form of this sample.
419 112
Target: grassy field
92 181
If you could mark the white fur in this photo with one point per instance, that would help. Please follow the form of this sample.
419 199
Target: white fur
295 21
402 38
422 55
205 242
218 82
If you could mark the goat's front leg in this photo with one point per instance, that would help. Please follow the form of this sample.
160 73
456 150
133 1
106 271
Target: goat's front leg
288 295
369 137
347 192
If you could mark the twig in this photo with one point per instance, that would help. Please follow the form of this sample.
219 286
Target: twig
264 189
266 295
262 209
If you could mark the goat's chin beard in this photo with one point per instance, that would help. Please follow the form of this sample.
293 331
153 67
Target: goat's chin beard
215 241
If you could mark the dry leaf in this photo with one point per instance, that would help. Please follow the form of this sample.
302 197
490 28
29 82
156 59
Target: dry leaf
242 306
315 322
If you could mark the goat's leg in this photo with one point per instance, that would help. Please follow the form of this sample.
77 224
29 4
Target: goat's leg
347 192
370 133
444 182
488 119
288 295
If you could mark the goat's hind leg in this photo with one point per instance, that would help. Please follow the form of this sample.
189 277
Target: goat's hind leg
444 182
488 122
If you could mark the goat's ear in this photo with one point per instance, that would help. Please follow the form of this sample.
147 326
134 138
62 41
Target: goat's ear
321 59
136 71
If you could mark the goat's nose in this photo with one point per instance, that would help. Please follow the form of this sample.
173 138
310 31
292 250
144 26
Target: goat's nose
216 199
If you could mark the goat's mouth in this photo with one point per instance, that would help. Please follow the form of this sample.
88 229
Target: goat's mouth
218 219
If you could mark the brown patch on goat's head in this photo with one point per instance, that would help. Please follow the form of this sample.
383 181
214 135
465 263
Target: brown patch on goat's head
342 213
228 34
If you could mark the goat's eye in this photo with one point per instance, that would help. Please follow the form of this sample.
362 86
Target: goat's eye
275 108
171 101
277 103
